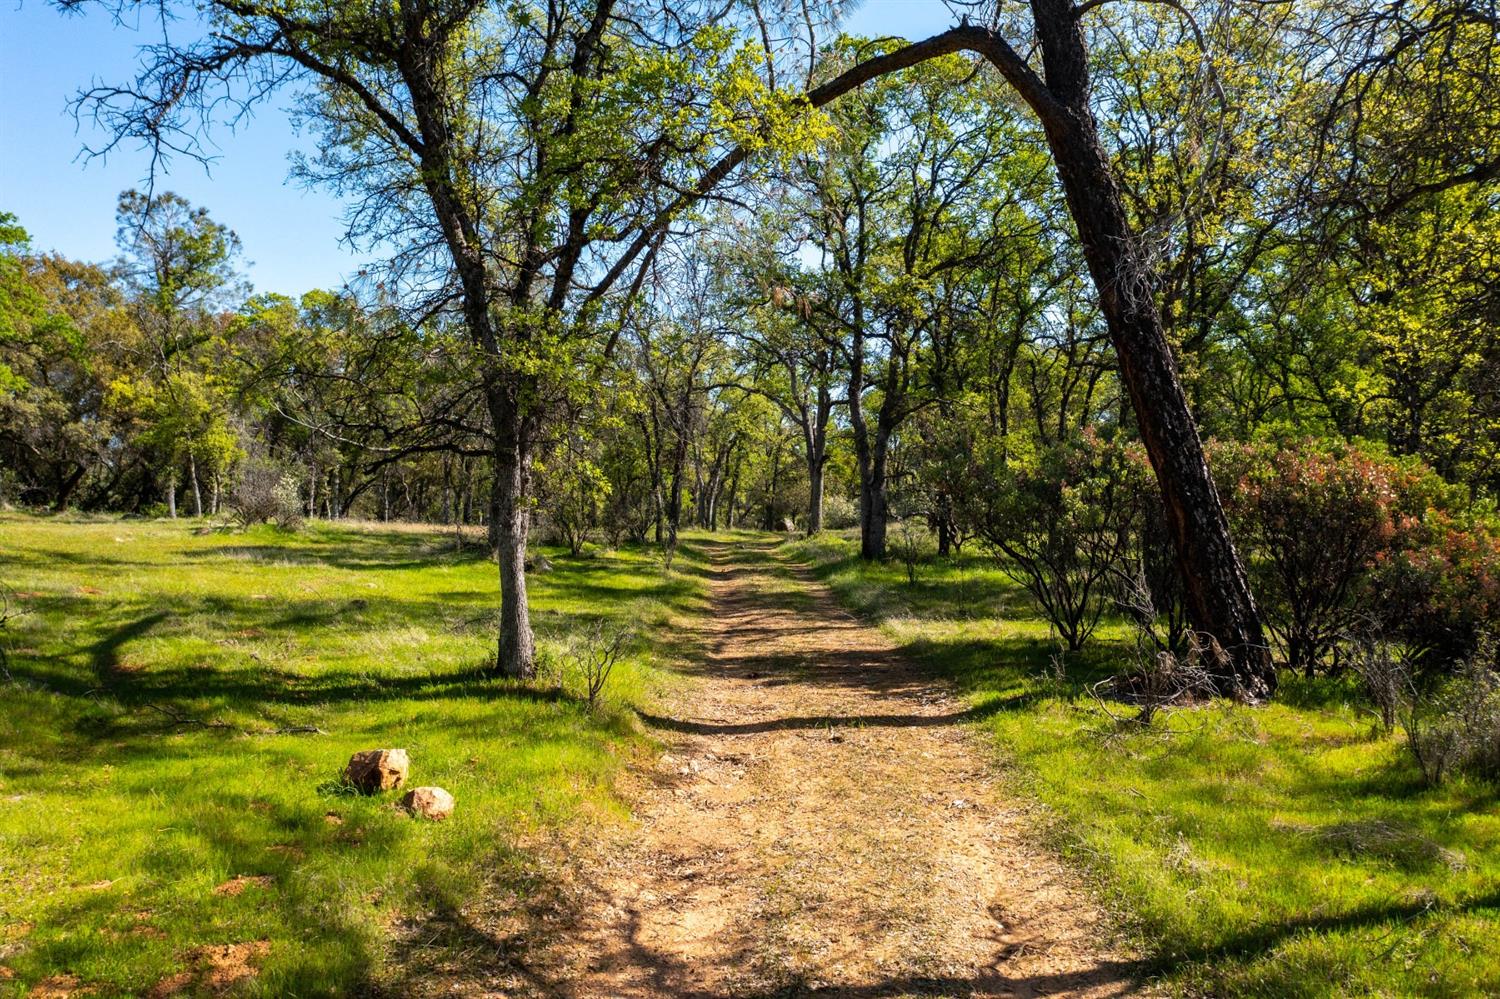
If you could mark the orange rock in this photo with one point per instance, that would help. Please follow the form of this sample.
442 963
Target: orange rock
428 802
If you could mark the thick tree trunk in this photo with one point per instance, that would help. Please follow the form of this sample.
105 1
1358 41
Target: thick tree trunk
814 496
494 524
871 479
944 518
1219 597
509 529
172 495
69 486
874 505
874 489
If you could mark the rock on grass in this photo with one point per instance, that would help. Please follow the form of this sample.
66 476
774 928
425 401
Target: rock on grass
376 770
428 802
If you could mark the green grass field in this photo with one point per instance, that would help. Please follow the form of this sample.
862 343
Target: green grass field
141 653
1286 850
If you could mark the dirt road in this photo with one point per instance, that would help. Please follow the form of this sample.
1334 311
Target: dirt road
824 823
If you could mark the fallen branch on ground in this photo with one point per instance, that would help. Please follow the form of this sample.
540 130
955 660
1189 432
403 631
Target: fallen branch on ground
184 720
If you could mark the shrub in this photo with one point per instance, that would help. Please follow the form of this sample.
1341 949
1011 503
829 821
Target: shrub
595 650
839 512
1439 592
1385 671
1161 678
1312 521
266 492
1456 726
909 544
1061 525
1335 533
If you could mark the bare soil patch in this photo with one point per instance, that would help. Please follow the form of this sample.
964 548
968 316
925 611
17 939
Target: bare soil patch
237 884
216 968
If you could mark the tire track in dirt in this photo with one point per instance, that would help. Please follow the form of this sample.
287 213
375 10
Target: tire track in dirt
824 823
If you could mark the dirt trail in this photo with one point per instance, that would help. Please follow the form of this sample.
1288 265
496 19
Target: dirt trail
825 824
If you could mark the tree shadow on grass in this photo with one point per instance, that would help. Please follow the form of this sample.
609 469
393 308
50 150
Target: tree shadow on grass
30 556
91 670
194 688
105 653
364 557
121 928
1266 937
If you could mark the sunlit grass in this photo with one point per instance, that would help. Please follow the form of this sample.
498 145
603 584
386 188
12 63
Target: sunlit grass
122 810
1285 850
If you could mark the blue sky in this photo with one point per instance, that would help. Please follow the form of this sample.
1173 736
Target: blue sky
290 234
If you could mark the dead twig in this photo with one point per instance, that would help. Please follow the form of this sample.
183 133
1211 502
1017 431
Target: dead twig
596 650
188 721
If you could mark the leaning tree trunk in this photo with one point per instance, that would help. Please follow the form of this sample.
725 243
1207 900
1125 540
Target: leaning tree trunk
1219 597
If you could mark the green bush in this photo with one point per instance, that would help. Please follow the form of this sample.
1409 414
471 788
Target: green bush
1340 538
266 492
1439 590
1061 523
1455 726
